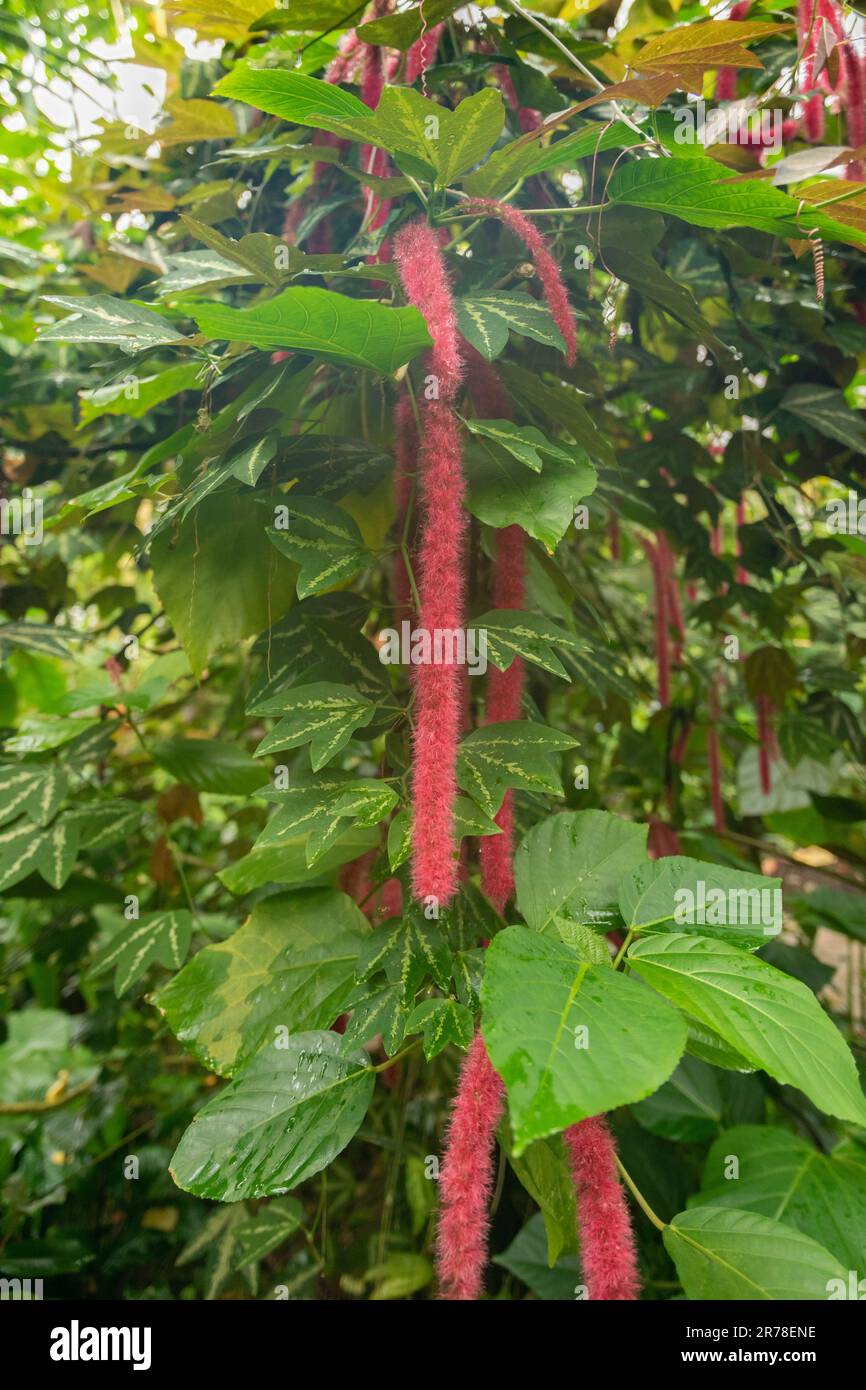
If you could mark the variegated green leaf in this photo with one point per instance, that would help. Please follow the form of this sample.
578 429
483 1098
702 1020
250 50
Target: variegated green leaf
324 541
526 444
511 634
35 788
440 1022
270 1228
408 953
323 714
157 938
290 967
319 806
516 754
486 320
100 318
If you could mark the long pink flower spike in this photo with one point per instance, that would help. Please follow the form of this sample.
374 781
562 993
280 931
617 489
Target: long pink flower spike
813 107
438 716
726 78
466 1177
504 688
548 271
607 1244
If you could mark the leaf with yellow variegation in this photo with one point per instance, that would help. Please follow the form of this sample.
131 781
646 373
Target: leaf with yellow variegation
689 50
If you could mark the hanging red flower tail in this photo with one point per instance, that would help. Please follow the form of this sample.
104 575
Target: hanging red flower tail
438 713
549 273
607 1246
466 1177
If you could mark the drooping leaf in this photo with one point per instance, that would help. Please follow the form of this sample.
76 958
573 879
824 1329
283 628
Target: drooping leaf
777 1174
283 1118
772 1020
723 1254
360 332
323 541
290 967
99 318
557 1030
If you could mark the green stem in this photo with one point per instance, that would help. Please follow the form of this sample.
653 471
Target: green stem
398 1056
640 1199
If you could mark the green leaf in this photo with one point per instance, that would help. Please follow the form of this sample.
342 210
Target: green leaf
265 1232
570 867
826 410
701 191
511 634
320 806
686 895
42 639
290 967
208 765
502 492
545 1171
100 318
210 603
283 1119
527 1259
134 396
485 320
323 714
158 937
377 1010
51 852
637 268
287 863
323 541
781 1176
559 407
526 444
38 789
405 28
769 671
290 95
723 1254
687 1108
360 332
775 1022
408 954
557 1031
521 159
441 1021
512 754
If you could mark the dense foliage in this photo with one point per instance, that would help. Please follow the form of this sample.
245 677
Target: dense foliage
256 903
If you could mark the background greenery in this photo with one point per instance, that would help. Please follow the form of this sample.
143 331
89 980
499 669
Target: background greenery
149 640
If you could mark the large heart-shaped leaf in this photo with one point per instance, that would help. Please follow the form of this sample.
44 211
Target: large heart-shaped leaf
557 1031
724 1254
780 1175
774 1021
570 867
290 966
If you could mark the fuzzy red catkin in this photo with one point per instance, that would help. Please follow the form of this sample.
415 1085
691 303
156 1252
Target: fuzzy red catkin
607 1245
466 1176
422 53
726 78
504 688
549 273
807 34
661 620
438 712
853 69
